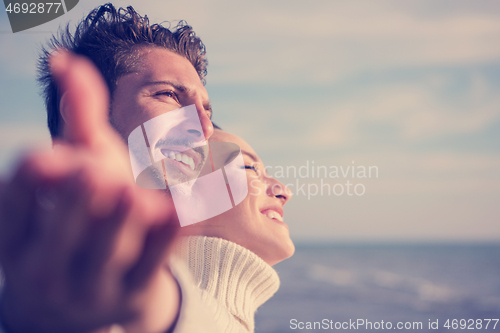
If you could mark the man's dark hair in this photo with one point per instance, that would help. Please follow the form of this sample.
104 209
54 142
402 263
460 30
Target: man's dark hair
112 39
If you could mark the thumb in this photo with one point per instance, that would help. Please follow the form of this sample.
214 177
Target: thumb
85 101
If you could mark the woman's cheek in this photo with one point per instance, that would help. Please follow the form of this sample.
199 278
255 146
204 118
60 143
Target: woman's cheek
255 187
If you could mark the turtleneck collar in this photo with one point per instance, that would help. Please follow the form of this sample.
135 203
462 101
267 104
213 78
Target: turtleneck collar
234 276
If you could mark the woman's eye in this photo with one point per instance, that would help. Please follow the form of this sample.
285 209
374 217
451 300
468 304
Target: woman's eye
251 167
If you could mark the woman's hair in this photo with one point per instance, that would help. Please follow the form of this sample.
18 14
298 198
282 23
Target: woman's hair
113 40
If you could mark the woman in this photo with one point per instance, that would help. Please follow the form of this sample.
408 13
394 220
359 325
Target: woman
230 255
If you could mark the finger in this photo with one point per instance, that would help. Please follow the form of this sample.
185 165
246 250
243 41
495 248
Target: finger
85 100
154 252
17 204
48 165
21 197
20 202
154 207
63 227
89 263
85 108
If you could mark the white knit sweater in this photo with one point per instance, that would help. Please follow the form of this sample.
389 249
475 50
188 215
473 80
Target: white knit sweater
233 281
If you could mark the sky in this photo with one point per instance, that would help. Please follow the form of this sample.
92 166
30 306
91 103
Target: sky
410 89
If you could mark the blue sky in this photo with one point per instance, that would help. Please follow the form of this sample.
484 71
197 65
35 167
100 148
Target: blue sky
411 87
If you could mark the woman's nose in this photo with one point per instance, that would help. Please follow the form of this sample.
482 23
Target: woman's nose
278 190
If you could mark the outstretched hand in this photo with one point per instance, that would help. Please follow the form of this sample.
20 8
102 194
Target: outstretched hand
81 245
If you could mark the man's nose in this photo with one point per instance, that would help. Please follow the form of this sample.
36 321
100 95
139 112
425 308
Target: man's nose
205 121
197 125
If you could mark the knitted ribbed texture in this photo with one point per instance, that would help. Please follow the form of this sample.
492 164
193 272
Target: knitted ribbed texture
234 281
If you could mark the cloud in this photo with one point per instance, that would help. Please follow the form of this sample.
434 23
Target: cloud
338 129
420 196
413 110
313 43
384 114
327 41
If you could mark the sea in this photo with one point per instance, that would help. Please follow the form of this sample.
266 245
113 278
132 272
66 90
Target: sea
386 288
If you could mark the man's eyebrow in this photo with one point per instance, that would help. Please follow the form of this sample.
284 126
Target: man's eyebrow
177 86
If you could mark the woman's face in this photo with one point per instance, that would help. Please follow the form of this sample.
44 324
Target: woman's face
257 222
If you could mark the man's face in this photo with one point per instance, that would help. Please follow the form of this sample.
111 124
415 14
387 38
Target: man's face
162 82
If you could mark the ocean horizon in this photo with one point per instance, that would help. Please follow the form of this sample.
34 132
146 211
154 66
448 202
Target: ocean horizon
429 287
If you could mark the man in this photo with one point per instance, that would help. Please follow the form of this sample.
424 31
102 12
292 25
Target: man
130 53
81 246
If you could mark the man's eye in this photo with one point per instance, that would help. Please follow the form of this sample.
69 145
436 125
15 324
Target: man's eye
209 113
167 93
